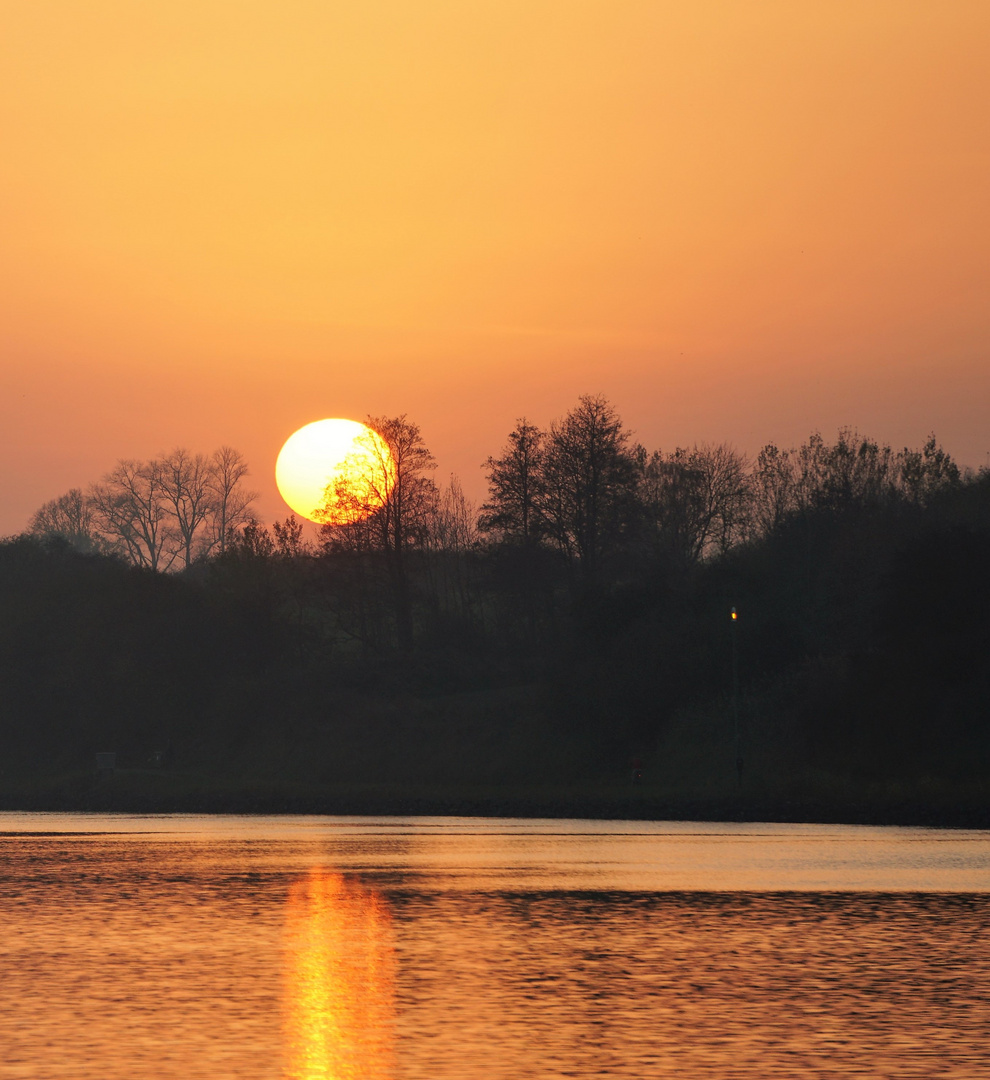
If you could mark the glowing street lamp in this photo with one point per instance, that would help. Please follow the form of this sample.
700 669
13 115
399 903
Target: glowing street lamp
734 616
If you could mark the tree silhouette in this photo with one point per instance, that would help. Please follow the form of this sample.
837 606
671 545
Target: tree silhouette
697 502
588 489
188 495
230 503
381 504
513 512
160 514
132 511
70 517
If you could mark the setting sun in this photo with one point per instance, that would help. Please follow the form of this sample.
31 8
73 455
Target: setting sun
335 471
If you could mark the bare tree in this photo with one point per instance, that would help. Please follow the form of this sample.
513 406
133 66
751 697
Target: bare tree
852 472
451 526
451 544
230 503
774 482
160 513
672 496
132 511
727 497
697 501
70 516
188 494
206 498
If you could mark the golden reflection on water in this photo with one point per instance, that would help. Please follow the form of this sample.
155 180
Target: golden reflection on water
339 993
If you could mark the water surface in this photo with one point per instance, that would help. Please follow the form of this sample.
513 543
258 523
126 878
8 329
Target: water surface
240 947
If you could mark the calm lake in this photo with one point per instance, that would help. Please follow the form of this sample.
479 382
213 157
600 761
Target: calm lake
145 947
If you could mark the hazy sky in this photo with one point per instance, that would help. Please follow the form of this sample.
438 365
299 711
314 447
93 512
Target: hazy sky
739 221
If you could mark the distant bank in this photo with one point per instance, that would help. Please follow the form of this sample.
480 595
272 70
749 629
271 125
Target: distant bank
139 791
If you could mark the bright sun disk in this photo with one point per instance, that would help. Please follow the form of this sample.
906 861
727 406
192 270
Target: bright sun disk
344 459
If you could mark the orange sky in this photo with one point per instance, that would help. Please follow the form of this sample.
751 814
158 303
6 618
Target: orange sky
222 219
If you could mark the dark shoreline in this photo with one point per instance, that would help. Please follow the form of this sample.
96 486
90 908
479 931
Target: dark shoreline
109 797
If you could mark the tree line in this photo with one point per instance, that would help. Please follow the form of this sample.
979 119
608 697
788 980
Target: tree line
583 489
576 618
162 514
580 488
573 511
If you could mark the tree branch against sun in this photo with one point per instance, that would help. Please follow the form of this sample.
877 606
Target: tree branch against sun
381 503
363 483
335 471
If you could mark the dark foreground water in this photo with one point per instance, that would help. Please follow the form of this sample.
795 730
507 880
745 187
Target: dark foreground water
187 947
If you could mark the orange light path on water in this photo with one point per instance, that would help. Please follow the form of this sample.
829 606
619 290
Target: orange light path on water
338 1000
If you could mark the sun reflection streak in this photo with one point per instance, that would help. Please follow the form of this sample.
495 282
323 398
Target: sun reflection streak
338 1000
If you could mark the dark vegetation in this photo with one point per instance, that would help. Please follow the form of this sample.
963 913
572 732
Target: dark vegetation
526 659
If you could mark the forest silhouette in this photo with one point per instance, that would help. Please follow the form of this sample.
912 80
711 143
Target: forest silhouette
565 648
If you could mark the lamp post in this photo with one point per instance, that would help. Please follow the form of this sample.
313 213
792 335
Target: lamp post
734 615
